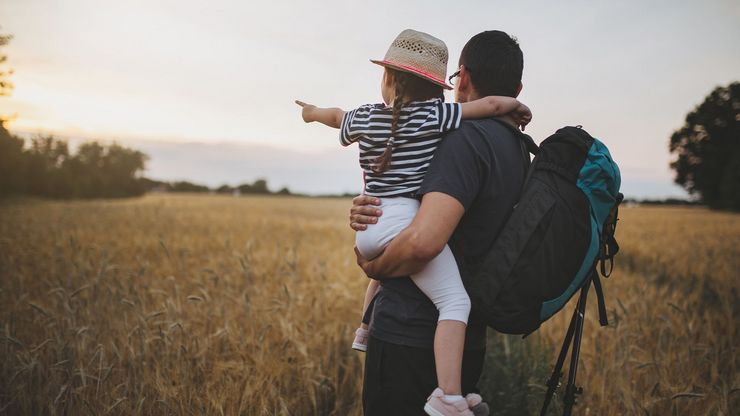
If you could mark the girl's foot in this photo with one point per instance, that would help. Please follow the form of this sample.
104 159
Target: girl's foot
437 405
477 405
360 342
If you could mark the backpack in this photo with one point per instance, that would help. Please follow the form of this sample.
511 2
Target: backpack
549 246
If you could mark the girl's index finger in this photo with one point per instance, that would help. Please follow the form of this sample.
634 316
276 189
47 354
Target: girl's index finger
301 103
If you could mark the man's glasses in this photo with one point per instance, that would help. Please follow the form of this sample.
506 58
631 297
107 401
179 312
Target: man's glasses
456 74
453 76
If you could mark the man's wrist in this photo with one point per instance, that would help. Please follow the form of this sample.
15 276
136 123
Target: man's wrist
369 269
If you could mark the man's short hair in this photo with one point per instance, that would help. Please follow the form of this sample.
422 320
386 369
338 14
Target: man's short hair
495 63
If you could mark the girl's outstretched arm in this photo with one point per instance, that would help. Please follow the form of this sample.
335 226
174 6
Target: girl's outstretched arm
331 117
497 106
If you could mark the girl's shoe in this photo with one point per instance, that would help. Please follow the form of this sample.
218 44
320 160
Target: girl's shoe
477 405
360 342
438 406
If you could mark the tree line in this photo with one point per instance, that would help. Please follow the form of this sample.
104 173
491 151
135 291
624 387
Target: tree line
46 167
258 187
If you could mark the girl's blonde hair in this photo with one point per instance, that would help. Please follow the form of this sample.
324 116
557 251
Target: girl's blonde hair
406 88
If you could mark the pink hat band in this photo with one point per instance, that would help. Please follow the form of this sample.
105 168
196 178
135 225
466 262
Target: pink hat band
420 54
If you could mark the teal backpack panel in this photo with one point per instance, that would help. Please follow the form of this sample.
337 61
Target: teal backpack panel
599 179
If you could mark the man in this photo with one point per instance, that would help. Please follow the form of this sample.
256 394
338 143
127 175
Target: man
468 193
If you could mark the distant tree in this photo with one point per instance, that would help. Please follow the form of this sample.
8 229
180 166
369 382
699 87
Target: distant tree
108 171
11 163
153 185
5 85
184 186
245 188
260 187
708 149
121 168
44 162
225 189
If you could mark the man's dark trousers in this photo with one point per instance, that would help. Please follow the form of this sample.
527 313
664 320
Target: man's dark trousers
399 378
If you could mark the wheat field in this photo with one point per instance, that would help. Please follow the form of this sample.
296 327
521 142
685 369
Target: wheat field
218 305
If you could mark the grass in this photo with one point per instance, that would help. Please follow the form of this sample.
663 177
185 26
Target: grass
219 305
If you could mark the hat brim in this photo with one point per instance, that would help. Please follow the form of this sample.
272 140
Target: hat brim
403 68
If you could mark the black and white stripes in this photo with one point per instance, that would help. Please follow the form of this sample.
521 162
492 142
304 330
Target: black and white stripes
420 128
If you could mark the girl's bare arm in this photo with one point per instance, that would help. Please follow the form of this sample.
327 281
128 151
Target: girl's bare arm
497 106
331 117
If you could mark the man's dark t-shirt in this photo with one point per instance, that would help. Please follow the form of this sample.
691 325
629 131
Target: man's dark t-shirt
482 165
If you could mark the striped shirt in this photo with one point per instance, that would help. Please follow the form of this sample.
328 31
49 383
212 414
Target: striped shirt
421 126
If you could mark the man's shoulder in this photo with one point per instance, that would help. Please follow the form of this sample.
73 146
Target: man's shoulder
487 127
478 133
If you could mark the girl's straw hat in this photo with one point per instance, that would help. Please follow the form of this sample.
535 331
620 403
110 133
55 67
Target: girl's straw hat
420 54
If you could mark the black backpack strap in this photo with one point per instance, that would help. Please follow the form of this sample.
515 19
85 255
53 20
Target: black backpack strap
527 146
608 244
608 248
603 320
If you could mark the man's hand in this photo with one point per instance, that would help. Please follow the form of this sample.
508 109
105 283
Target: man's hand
365 264
307 112
364 211
521 116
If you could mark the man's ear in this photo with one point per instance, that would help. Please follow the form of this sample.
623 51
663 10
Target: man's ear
464 83
518 89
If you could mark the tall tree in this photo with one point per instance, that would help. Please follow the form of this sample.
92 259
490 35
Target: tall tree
11 147
5 85
708 149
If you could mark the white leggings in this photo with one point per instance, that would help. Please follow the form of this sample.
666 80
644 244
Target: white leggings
439 280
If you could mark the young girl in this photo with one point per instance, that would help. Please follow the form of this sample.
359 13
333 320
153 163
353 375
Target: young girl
397 140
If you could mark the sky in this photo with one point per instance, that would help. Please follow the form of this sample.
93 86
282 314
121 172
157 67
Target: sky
207 88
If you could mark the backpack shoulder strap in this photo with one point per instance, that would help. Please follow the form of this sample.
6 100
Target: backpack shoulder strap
527 146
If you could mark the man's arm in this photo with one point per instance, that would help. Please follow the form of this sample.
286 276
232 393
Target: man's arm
331 117
420 242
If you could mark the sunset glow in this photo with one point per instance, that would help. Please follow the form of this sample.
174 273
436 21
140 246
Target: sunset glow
228 72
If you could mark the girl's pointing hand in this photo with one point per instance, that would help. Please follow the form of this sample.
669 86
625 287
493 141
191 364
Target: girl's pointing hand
307 110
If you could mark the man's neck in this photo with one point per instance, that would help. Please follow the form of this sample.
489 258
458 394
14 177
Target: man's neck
472 96
506 118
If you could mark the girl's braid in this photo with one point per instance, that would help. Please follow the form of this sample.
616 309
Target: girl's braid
382 162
